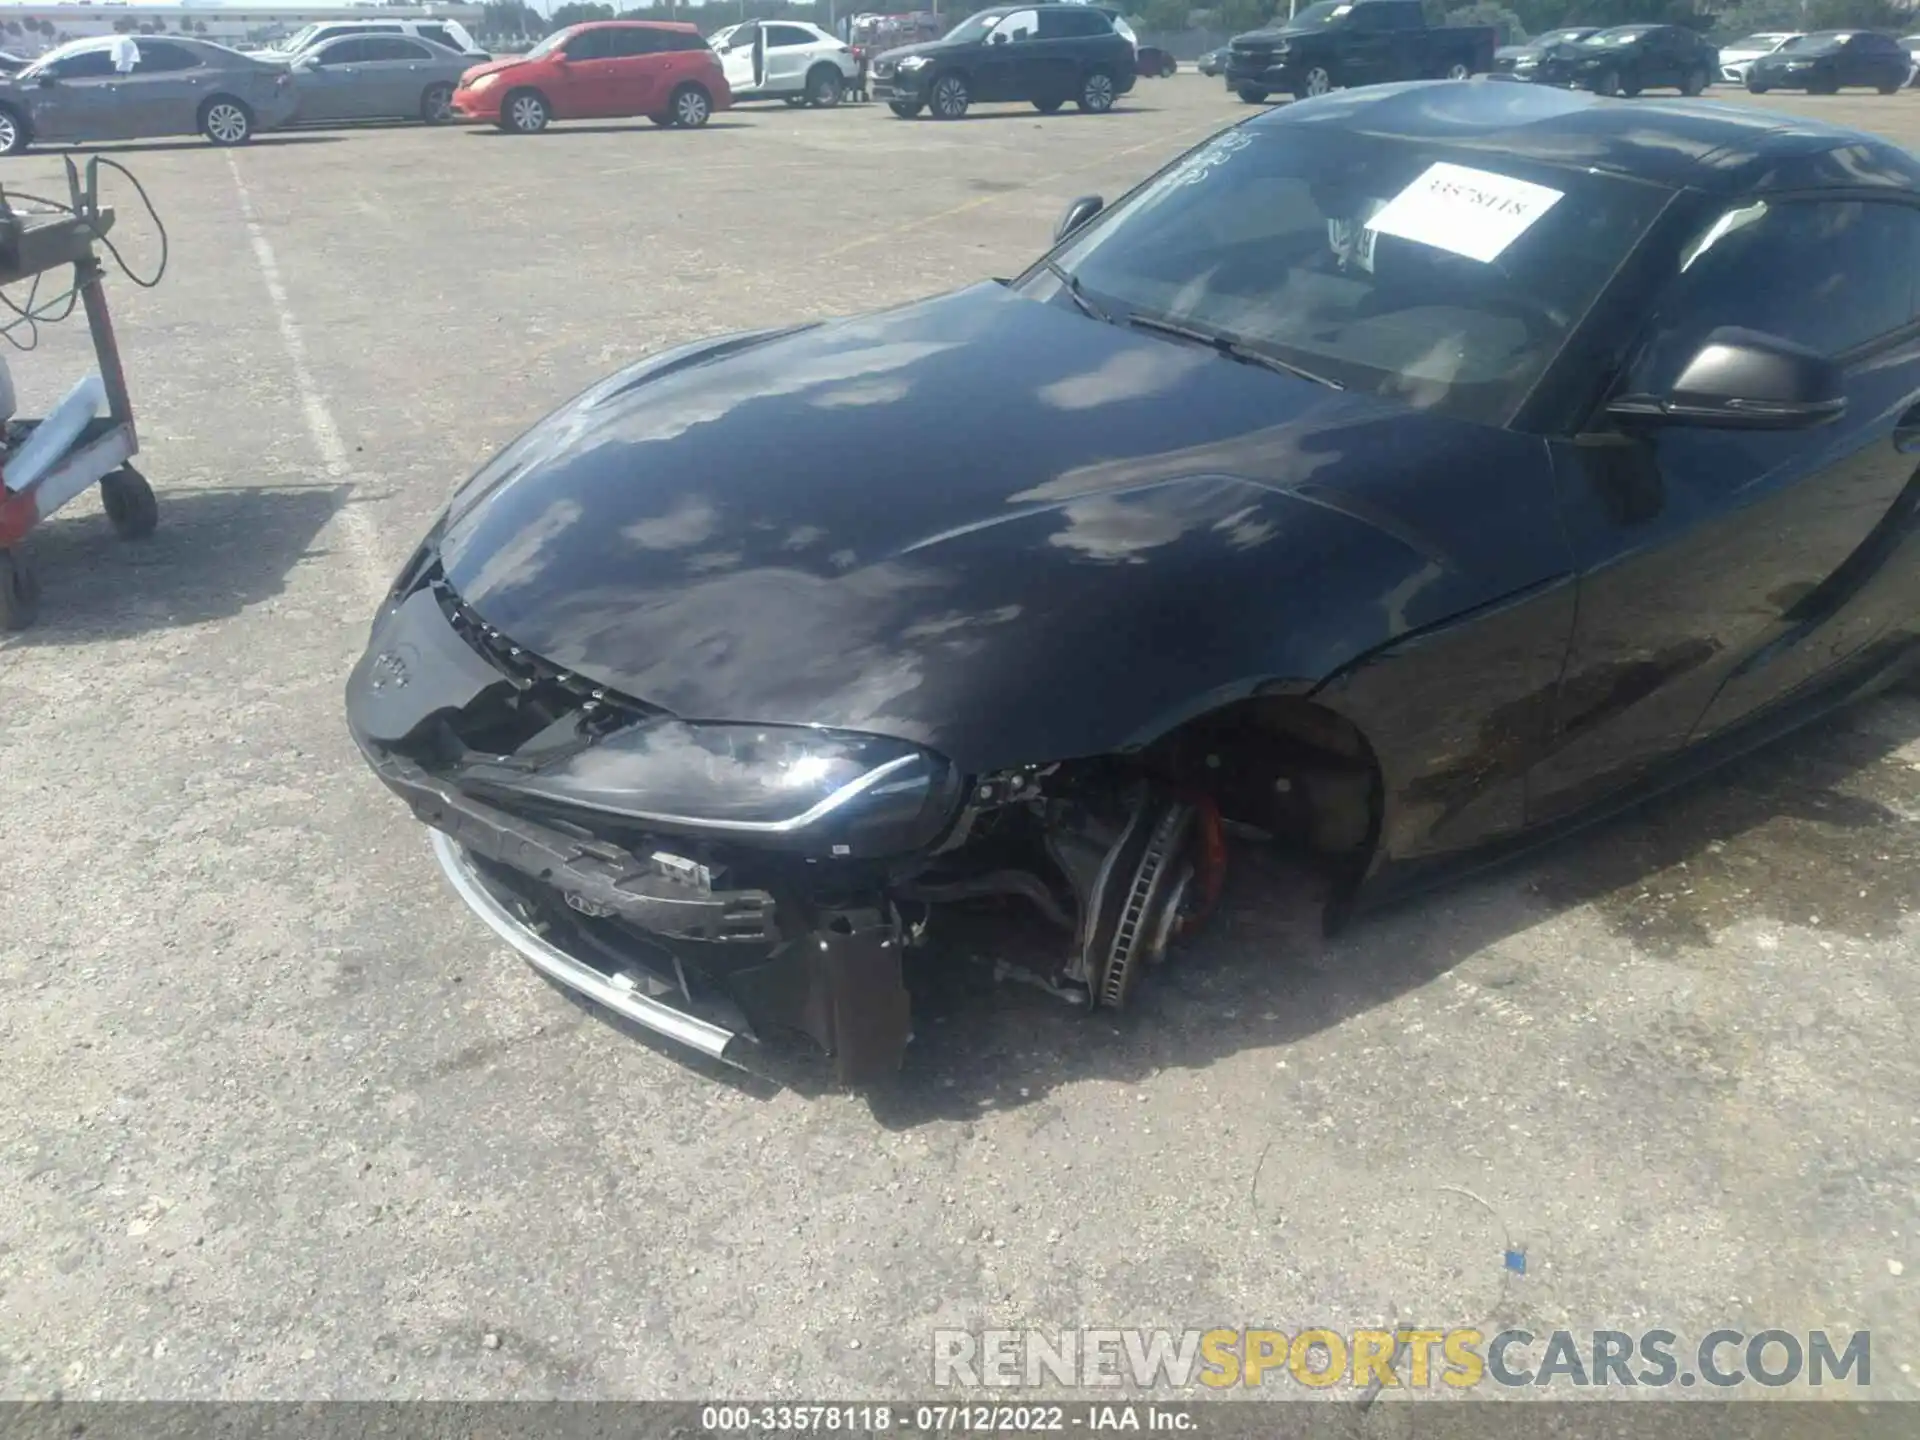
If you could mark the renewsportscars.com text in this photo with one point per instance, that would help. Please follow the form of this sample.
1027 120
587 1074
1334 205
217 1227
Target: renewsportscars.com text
1459 1359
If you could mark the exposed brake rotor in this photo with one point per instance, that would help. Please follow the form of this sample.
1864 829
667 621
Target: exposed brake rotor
1157 879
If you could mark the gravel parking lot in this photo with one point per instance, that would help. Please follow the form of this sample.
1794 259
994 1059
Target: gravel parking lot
284 1121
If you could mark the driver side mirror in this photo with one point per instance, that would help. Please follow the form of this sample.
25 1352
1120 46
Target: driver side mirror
46 80
1077 214
999 38
1743 380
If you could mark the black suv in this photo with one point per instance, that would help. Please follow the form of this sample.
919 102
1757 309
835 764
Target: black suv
1632 58
1045 54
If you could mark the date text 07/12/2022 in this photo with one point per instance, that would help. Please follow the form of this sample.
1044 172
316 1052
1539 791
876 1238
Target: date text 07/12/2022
945 1418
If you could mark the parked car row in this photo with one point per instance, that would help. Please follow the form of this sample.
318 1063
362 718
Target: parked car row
130 87
1626 59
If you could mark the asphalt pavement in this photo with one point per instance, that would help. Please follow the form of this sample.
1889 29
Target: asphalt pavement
283 1120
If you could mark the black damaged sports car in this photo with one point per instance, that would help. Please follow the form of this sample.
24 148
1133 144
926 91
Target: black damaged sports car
1408 475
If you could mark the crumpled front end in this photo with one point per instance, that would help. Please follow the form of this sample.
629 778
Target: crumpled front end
725 884
555 804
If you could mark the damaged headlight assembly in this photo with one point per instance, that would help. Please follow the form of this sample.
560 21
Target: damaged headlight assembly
783 786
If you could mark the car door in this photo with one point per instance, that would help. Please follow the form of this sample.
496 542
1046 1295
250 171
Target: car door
744 61
1723 570
585 74
789 53
1061 50
393 77
999 70
328 77
1873 60
637 66
1359 46
77 97
161 95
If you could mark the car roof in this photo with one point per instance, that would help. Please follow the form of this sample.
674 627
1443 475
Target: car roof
1679 144
680 25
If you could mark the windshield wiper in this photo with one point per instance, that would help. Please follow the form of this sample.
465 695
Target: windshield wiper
1074 292
1229 347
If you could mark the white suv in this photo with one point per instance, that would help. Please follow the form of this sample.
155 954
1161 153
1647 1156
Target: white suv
450 33
784 60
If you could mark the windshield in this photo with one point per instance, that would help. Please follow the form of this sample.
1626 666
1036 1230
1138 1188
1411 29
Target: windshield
299 38
1445 279
1324 13
1616 37
1808 43
1758 42
547 46
975 27
60 52
1562 37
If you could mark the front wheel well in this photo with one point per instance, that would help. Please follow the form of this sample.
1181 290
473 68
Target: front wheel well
1287 766
223 97
22 129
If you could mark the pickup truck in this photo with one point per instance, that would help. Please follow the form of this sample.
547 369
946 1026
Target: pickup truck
1354 42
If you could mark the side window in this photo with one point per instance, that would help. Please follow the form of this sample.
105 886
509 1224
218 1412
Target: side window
787 36
391 47
1020 25
1828 274
1058 24
1400 17
682 40
587 45
86 65
157 57
629 41
346 52
438 34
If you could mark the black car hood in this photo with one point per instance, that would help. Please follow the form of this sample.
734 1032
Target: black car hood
924 47
986 524
1278 33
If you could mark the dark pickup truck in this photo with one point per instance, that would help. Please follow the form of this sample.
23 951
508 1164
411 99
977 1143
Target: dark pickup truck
1354 42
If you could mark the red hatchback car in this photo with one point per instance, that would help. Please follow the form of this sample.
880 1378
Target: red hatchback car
599 70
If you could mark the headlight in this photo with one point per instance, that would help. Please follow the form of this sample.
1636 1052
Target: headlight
912 62
828 789
1285 47
486 82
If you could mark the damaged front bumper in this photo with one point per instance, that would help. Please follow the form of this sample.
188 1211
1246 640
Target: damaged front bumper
651 938
564 814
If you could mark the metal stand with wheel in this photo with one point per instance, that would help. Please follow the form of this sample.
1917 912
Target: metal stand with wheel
32 244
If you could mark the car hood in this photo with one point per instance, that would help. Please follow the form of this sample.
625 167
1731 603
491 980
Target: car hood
489 67
1277 33
982 523
924 47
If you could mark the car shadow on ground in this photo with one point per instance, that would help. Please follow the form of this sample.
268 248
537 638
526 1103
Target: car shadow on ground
1027 112
1814 830
216 552
634 127
184 142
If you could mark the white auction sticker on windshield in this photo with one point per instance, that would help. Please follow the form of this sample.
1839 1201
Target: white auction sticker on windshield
1475 213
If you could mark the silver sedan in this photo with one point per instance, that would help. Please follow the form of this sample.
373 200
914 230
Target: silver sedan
125 87
376 77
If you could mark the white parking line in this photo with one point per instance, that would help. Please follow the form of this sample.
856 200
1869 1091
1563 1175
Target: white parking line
361 536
